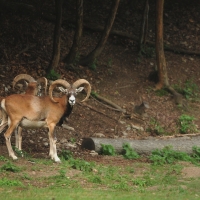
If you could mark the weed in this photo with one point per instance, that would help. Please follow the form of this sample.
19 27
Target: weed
155 127
195 155
189 90
121 186
62 173
26 176
72 140
148 52
53 75
161 92
10 167
66 154
2 158
129 152
186 124
20 153
107 149
96 179
93 65
94 94
81 165
168 156
6 182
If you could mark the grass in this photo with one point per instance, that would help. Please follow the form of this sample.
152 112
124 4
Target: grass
160 178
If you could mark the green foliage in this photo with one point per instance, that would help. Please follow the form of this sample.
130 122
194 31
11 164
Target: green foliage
2 158
110 62
196 154
148 52
93 65
6 182
155 127
107 149
20 153
53 75
129 152
72 140
168 156
161 92
94 94
81 164
186 124
190 90
62 173
10 167
66 154
26 176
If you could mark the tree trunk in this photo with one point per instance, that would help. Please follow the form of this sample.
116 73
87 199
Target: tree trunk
160 56
73 55
56 40
145 146
144 26
90 59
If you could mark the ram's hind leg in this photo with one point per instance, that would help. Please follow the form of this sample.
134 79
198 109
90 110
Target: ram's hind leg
7 136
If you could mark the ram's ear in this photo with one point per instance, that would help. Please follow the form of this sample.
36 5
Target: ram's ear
79 89
63 90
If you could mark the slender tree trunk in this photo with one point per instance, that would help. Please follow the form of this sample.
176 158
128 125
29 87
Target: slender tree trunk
56 40
160 55
73 55
144 26
89 59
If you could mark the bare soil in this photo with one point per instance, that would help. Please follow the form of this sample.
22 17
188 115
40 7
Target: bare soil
121 75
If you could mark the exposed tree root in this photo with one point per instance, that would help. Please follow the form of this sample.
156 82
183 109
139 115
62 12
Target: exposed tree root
107 101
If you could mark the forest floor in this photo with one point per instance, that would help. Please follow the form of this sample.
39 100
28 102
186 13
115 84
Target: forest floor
120 74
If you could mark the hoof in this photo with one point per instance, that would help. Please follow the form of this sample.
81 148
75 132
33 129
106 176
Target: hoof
14 157
57 160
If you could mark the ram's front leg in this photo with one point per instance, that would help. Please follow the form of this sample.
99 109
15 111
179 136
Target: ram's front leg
52 143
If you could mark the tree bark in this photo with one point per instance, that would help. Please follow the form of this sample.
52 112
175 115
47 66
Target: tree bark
144 26
90 58
73 55
57 33
160 56
145 146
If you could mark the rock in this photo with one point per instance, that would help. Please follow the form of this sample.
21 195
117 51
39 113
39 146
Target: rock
68 127
46 144
70 145
31 141
93 153
62 141
98 135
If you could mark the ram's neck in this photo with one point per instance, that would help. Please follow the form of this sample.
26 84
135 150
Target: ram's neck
66 114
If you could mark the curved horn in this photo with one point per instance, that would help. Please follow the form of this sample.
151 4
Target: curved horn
54 84
25 77
43 80
85 83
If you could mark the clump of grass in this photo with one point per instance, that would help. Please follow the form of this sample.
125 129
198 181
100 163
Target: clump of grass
6 182
81 165
53 75
66 154
10 167
186 124
169 156
189 90
108 149
129 152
